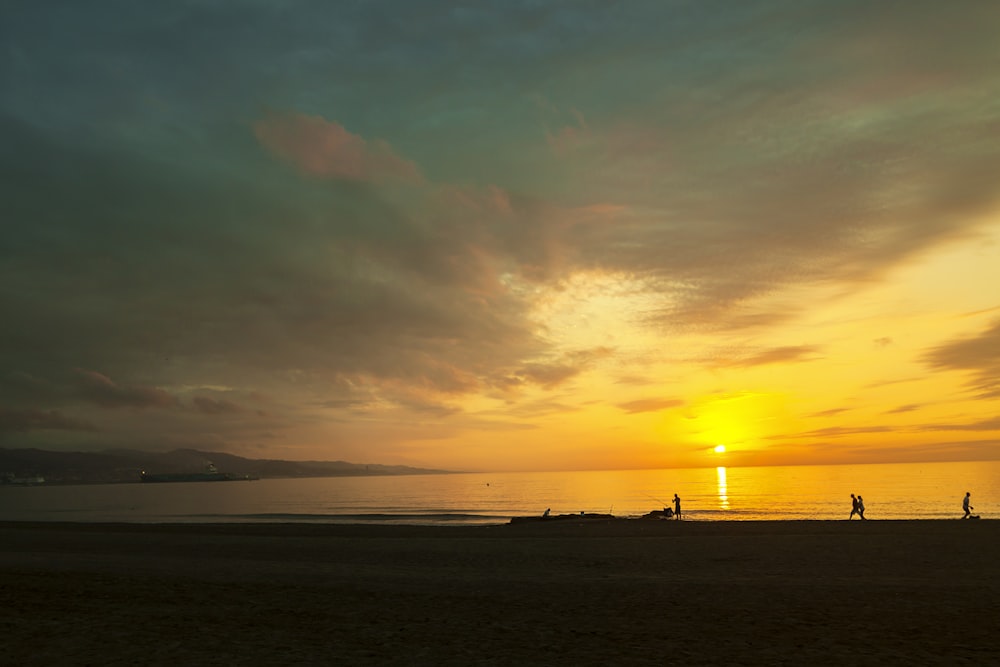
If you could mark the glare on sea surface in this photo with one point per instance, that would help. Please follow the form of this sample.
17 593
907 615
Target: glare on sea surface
723 487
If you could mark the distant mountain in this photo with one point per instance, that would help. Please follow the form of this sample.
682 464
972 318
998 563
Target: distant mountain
125 465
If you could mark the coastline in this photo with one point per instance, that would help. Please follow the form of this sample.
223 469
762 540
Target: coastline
587 592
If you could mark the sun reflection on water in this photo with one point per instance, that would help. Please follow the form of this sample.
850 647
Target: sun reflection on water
720 474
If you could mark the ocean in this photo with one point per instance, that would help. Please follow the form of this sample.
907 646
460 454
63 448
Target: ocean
890 491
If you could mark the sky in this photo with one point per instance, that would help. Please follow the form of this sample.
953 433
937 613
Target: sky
502 235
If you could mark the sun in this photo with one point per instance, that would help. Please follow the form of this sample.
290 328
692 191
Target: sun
720 449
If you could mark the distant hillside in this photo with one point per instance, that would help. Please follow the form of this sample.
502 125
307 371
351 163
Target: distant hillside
124 465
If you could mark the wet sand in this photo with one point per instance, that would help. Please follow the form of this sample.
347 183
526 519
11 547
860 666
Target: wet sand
626 592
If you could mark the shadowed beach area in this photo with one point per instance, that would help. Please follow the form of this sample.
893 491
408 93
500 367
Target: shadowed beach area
590 592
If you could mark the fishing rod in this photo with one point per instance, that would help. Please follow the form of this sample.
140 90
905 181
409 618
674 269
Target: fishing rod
656 499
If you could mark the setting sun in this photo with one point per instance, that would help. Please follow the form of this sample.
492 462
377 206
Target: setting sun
720 449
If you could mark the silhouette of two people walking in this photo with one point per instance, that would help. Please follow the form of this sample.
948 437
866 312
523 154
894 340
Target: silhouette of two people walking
857 507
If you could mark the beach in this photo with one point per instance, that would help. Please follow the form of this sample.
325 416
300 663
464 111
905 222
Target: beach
586 592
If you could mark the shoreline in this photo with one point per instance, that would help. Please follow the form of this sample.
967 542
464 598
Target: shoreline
515 522
619 591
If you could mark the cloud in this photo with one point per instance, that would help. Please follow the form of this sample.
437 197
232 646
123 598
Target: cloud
992 424
834 432
832 412
979 354
213 406
554 373
22 421
324 149
568 136
649 405
775 355
546 375
102 390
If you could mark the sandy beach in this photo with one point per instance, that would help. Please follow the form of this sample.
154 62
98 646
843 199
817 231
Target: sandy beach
568 592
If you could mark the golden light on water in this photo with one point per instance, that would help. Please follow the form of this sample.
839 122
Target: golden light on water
723 487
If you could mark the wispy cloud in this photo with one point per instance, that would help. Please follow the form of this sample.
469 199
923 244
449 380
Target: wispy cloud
911 407
979 355
649 404
324 149
553 373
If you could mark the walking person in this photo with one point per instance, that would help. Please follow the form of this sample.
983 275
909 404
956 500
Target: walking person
677 507
854 506
861 508
965 504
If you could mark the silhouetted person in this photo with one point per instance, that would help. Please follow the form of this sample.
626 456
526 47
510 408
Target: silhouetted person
861 508
545 515
966 506
854 506
677 507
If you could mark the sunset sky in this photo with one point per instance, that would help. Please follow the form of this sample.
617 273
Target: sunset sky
504 236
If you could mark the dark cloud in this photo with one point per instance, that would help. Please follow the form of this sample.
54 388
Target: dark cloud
331 299
552 374
102 390
213 406
81 387
22 421
979 355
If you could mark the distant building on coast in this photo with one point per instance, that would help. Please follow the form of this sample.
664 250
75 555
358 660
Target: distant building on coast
31 480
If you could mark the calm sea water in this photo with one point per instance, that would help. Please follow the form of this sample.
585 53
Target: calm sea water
899 491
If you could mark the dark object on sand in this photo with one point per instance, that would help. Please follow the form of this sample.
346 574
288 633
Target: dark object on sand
582 516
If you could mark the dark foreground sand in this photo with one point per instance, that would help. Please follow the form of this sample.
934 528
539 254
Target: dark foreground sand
591 593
